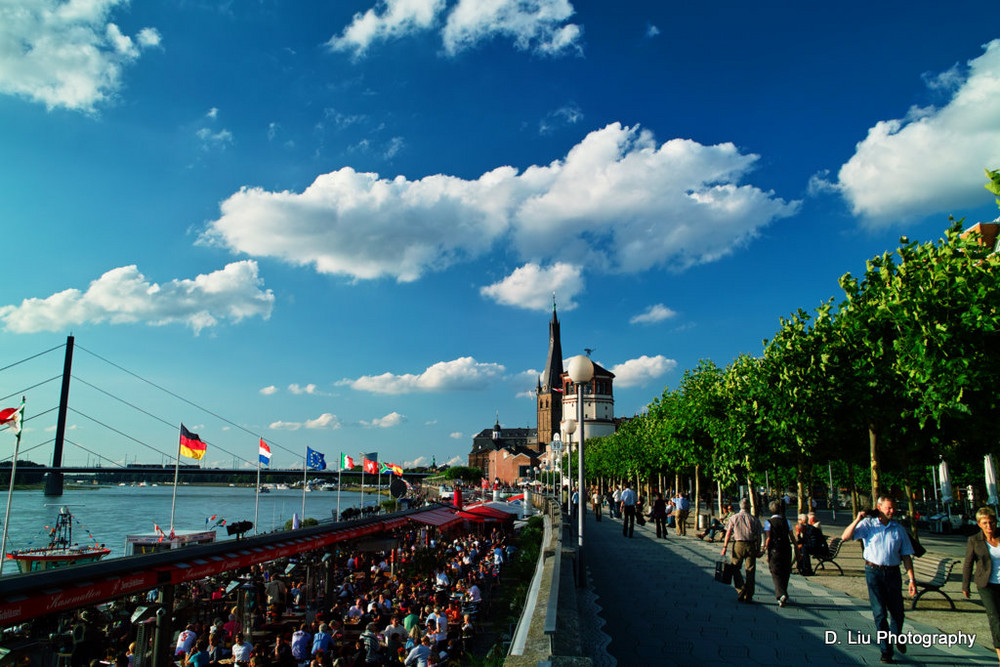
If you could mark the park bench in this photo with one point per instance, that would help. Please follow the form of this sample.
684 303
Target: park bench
830 556
932 574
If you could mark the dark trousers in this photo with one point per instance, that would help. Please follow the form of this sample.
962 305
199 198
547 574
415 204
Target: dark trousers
661 526
628 522
885 594
780 565
990 595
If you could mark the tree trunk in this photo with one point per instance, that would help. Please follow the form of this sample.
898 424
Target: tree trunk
752 495
697 495
876 470
854 489
800 470
677 481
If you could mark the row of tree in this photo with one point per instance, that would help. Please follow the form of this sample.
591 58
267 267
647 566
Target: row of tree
902 372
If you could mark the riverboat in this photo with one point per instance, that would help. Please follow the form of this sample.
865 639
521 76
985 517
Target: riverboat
154 542
60 551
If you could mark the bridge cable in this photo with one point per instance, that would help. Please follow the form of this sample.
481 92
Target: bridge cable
35 356
27 389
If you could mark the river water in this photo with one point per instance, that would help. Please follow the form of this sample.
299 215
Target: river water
109 513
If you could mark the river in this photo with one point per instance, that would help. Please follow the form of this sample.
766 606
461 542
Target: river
109 513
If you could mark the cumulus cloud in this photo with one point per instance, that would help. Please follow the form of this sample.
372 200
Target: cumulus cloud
642 371
618 201
932 159
461 374
457 435
458 461
390 420
124 296
531 287
66 54
302 389
533 25
418 462
324 421
389 19
653 314
269 390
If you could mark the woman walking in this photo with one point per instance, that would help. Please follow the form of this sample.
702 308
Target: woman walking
983 552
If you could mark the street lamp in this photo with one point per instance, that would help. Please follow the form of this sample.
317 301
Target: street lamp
581 372
569 428
557 449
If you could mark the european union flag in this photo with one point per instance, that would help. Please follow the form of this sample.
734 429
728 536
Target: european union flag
315 460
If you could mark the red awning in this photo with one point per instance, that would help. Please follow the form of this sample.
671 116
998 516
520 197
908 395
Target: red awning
441 518
483 513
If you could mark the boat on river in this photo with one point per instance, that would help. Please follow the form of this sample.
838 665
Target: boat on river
60 552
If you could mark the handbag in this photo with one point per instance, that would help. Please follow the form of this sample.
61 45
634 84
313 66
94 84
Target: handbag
724 572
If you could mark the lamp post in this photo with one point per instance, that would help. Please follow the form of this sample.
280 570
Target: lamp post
557 448
569 428
581 372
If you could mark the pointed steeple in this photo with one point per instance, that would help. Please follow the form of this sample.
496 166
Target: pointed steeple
552 375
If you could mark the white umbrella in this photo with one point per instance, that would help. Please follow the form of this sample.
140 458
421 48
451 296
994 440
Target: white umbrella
946 493
991 480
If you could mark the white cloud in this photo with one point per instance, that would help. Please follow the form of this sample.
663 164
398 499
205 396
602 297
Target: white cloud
566 115
461 374
526 394
209 139
124 296
617 202
531 287
212 114
653 314
302 389
66 54
533 25
459 461
324 421
931 160
419 462
652 30
269 390
641 371
390 420
389 19
457 435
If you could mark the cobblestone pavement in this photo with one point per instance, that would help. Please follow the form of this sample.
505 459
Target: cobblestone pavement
655 602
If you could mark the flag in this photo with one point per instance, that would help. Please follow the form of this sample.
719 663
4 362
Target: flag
346 462
369 463
315 460
11 418
158 531
383 468
265 452
191 444
396 469
210 518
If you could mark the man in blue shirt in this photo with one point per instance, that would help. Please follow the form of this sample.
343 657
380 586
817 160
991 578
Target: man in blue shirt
886 545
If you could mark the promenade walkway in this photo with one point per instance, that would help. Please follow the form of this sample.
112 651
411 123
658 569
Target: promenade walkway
655 602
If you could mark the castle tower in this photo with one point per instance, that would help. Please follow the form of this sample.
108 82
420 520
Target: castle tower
549 390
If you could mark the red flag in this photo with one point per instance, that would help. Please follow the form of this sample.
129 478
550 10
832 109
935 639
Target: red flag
369 466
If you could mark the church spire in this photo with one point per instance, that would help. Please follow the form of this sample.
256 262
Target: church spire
552 375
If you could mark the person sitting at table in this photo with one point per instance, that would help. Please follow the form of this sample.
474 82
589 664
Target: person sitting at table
241 650
357 610
216 648
198 657
373 648
322 640
232 626
474 594
418 656
301 643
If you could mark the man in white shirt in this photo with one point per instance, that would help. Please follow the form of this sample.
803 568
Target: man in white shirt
628 511
616 505
241 650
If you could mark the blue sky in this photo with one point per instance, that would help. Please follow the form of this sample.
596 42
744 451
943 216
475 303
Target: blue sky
339 224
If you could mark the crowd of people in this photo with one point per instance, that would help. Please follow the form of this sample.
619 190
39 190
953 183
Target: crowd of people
418 604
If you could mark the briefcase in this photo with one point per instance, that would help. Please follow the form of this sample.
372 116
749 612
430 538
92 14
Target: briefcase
724 572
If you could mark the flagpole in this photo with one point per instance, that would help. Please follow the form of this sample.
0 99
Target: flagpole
305 468
256 494
340 469
378 492
10 491
173 497
364 457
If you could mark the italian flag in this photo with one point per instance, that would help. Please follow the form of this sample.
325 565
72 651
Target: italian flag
346 462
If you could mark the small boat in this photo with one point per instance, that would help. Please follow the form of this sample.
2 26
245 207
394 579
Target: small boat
60 552
264 489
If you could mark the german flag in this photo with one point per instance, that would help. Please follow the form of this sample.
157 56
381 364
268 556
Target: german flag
191 444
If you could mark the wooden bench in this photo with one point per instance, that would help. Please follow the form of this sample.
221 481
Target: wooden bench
932 574
832 552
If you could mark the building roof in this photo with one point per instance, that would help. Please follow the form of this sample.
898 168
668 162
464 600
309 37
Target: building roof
552 375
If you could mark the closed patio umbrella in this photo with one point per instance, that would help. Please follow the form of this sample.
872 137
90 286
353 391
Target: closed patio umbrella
946 492
991 480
